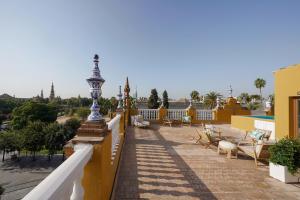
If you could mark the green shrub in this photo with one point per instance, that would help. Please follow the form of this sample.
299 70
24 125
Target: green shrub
83 112
286 152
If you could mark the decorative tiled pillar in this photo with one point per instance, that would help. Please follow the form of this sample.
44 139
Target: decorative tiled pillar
95 132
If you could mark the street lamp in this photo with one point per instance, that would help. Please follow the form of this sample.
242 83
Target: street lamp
95 82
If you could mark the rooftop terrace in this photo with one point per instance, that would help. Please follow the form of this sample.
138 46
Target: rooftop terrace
165 163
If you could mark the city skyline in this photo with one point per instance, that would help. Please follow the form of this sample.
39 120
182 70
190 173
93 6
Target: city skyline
167 45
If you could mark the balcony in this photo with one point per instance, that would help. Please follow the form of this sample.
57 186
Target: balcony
159 162
165 163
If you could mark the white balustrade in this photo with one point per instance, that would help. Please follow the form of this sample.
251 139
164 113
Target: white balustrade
65 181
149 114
114 126
204 115
176 114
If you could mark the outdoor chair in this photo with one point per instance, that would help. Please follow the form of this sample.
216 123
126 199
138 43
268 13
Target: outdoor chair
258 134
256 149
207 138
212 128
139 122
187 120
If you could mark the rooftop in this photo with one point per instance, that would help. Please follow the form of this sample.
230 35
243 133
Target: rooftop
165 163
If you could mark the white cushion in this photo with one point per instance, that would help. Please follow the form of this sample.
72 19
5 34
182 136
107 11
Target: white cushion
227 145
146 123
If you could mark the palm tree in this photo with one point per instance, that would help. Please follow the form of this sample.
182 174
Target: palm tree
211 99
259 84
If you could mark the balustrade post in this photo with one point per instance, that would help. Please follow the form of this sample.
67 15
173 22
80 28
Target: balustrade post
122 122
162 113
78 191
192 112
134 111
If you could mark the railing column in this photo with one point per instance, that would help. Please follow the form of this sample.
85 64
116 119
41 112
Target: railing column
97 175
192 112
122 121
162 113
78 191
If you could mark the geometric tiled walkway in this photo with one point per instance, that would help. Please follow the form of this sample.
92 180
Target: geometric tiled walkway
165 163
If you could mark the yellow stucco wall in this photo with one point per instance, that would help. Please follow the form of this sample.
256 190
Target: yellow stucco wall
287 84
245 123
242 123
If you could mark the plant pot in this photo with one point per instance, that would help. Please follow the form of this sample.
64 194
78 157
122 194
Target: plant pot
281 173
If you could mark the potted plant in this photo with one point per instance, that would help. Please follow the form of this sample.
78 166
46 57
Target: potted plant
285 160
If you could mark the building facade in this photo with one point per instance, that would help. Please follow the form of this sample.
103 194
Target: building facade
287 102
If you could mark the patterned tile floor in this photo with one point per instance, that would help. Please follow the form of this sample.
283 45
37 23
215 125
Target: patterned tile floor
165 163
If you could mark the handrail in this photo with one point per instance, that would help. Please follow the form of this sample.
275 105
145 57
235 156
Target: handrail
65 181
114 126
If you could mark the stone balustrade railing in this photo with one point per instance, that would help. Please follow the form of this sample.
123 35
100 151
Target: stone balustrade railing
65 181
114 126
90 169
176 114
204 115
149 114
198 116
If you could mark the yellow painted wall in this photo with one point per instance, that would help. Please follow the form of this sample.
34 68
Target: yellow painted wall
287 84
231 108
245 123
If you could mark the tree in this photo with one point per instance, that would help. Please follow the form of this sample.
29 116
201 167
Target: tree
153 100
165 99
245 96
259 84
105 105
55 138
83 112
8 104
10 141
195 95
114 104
33 111
71 127
211 99
34 137
272 98
255 97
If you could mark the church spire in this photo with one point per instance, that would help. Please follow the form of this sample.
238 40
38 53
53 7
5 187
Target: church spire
126 88
127 94
52 94
42 94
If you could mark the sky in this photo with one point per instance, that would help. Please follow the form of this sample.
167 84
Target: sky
178 46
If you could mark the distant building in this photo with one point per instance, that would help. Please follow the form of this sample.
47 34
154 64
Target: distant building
52 94
5 96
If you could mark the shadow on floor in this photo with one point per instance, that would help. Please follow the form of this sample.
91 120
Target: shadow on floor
151 169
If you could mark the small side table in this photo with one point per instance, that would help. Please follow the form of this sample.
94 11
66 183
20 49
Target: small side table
229 148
